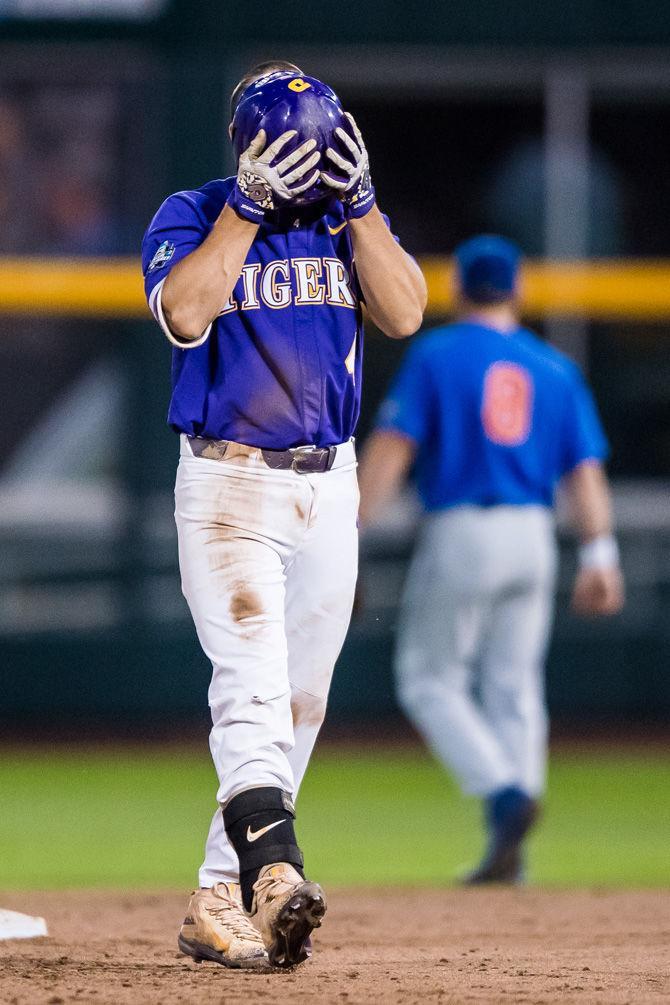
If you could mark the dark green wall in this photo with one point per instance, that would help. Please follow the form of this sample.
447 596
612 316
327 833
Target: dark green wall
221 25
526 22
155 679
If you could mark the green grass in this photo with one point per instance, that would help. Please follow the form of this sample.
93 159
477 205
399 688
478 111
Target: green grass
120 816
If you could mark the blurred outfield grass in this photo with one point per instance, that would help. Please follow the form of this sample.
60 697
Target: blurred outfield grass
123 816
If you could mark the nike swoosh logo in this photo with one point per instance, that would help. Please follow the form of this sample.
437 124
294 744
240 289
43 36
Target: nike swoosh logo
254 835
336 230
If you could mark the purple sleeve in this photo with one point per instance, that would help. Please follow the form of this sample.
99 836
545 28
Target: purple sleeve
176 230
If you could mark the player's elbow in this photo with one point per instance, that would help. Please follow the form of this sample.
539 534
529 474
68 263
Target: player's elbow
407 320
405 324
410 319
185 324
413 321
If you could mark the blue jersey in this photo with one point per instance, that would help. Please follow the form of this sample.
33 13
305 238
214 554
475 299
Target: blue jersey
498 418
281 366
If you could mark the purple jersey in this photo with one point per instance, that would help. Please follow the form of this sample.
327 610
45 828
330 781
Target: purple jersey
281 365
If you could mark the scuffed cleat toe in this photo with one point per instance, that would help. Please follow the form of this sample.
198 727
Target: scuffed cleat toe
288 909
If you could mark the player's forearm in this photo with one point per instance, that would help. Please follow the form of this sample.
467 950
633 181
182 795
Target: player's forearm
199 285
599 584
589 500
391 281
385 462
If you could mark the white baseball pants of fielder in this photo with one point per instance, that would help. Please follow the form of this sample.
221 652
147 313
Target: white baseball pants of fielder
476 617
268 561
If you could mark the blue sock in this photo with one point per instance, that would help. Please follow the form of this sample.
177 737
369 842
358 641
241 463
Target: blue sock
507 813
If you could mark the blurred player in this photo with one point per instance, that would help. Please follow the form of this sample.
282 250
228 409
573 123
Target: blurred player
252 280
493 419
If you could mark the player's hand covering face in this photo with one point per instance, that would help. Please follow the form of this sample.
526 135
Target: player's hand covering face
265 184
357 193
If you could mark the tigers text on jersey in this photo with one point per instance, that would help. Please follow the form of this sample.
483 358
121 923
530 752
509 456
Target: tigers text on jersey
281 365
498 418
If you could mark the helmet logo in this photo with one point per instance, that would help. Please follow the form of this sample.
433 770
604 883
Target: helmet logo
298 84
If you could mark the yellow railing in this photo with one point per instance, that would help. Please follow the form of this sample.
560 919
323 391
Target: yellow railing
82 287
112 288
601 289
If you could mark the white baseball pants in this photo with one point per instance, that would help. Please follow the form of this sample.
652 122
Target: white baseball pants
476 618
268 561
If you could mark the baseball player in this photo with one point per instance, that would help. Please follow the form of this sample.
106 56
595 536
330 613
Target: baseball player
252 279
493 419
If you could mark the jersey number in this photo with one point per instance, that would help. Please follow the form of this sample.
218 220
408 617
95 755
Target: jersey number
507 404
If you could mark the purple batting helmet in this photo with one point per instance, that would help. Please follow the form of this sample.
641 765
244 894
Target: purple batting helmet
284 100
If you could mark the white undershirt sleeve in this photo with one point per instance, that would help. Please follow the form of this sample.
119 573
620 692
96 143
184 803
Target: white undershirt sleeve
156 308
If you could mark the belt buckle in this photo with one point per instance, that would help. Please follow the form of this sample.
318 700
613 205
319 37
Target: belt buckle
300 454
310 460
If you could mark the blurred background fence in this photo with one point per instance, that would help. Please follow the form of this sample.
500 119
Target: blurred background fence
547 125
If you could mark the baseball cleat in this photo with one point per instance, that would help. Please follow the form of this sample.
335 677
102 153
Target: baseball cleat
286 909
503 866
216 928
511 816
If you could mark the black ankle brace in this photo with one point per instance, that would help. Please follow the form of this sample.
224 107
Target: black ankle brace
259 823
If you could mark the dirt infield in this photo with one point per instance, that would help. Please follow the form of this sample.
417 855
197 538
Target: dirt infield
395 946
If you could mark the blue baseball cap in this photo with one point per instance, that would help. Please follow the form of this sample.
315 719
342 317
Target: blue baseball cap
487 267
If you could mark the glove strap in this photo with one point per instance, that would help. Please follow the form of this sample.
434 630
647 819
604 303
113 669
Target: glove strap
251 197
362 200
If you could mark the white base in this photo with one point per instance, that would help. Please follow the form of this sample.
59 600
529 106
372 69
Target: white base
21 926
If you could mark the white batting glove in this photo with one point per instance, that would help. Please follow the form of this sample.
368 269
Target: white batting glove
357 193
260 186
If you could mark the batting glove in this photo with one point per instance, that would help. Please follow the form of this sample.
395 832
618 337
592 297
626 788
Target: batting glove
260 186
357 193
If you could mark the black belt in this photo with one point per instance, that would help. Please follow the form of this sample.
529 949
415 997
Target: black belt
305 460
